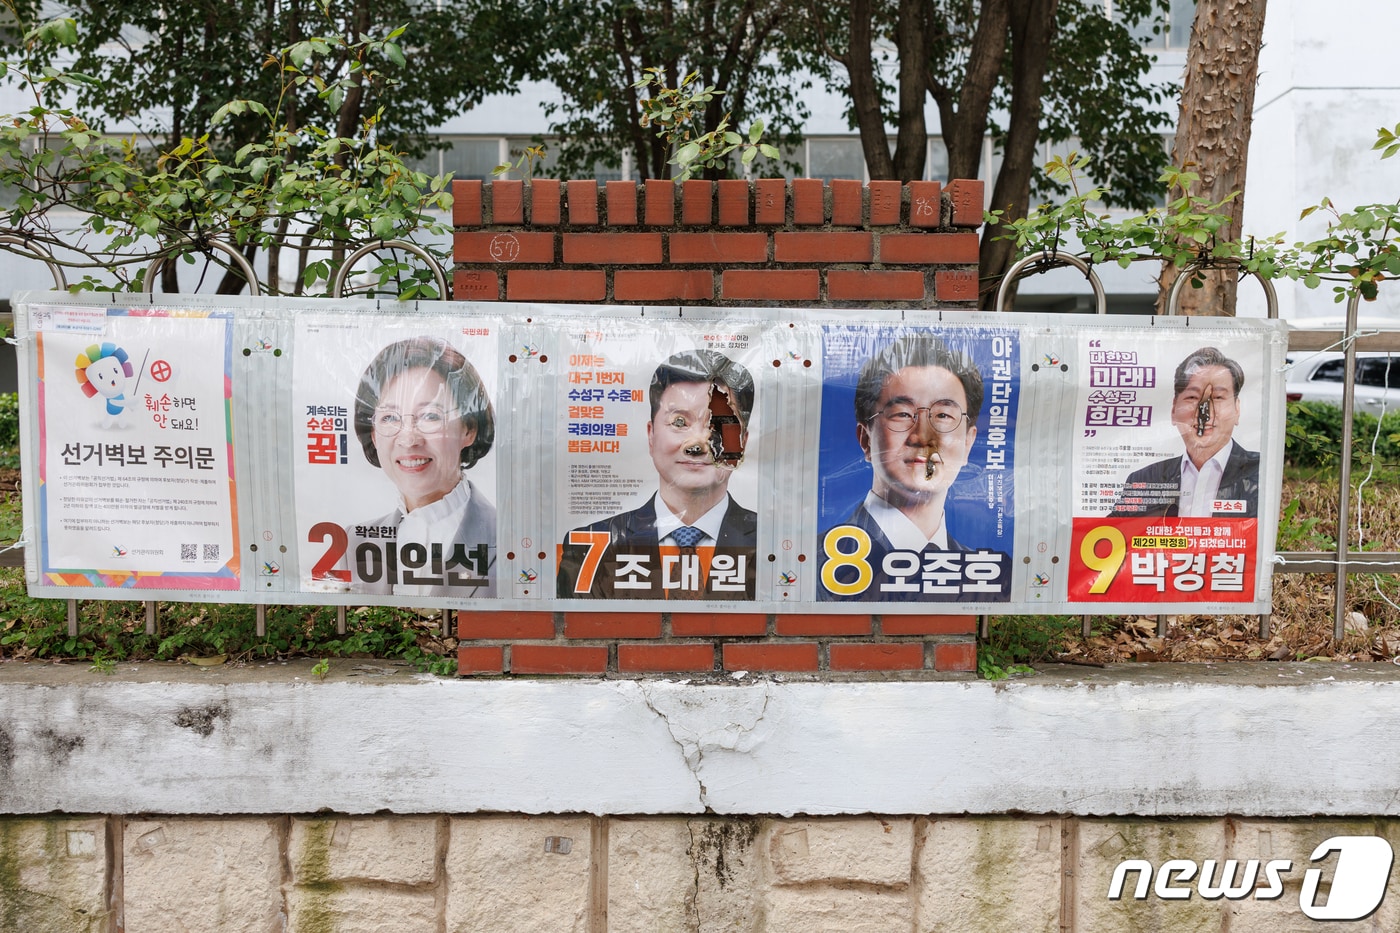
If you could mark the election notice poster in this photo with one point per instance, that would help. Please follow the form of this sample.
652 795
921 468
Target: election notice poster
1167 469
915 498
394 469
657 492
136 448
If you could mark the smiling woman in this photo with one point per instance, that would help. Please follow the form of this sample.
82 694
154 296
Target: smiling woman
422 416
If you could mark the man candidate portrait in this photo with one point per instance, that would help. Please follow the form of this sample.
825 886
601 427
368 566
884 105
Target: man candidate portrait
1215 475
690 539
916 406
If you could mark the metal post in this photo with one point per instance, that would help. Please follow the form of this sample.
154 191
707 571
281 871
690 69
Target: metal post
340 620
72 618
1034 265
439 276
1344 496
262 621
150 617
186 244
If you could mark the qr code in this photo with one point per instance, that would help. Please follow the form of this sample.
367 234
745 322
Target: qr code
211 552
189 551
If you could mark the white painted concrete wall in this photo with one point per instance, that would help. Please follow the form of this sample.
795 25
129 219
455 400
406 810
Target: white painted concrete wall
1274 740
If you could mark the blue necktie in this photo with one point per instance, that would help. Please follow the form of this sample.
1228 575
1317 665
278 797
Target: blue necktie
687 536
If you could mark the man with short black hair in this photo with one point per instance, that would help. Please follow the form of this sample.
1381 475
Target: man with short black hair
701 402
1215 476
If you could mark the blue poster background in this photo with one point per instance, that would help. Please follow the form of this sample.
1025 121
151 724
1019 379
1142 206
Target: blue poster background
980 506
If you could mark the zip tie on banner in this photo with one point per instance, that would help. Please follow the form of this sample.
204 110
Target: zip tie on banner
21 544
1331 346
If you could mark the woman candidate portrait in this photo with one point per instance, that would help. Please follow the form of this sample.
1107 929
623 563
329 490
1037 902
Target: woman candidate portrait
423 417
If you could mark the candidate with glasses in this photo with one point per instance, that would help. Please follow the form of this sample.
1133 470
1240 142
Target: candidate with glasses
917 404
422 415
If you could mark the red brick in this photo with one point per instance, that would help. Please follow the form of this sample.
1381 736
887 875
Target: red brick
861 284
466 203
798 623
629 248
928 248
824 247
507 202
544 201
666 657
622 203
956 657
801 656
583 202
925 204
471 285
502 246
807 205
846 207
690 624
772 285
734 203
697 202
955 286
900 656
928 625
481 660
967 198
661 202
557 285
719 247
612 625
558 659
505 624
770 201
670 285
884 202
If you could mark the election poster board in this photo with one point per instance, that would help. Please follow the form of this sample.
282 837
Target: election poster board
916 497
135 451
661 445
1167 463
451 455
395 467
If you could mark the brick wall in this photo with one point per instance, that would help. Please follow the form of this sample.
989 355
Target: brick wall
729 243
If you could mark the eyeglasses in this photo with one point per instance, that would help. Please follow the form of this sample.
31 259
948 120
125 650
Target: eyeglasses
430 422
944 416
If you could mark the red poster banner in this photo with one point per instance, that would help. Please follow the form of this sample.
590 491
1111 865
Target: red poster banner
1163 560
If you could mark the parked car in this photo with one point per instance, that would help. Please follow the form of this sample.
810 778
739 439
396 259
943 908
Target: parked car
1317 377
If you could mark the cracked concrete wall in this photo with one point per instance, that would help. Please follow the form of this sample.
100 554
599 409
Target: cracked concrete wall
513 873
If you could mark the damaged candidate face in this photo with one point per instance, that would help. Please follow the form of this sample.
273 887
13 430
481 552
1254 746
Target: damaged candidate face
697 438
920 436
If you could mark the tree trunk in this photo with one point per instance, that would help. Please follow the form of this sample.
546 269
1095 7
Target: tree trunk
865 93
1032 33
1217 111
965 125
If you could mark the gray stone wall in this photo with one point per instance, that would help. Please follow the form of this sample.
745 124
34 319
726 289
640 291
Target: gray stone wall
552 874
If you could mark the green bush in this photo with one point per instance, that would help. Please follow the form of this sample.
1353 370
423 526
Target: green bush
1314 437
9 430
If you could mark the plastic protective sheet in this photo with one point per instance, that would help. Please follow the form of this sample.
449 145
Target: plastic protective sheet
471 455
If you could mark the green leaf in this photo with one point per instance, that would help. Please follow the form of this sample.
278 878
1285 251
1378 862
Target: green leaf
769 151
395 54
755 131
687 153
749 154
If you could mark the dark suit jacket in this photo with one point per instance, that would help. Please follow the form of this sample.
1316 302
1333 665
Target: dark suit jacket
880 546
634 533
1158 486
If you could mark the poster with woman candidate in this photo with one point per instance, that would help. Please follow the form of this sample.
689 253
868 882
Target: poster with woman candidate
1167 468
657 483
394 470
136 485
915 496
